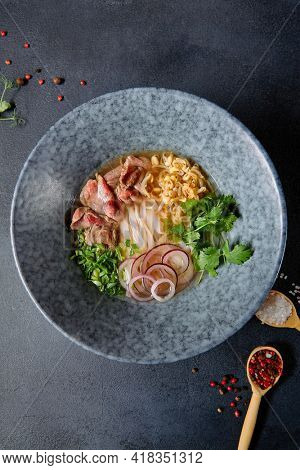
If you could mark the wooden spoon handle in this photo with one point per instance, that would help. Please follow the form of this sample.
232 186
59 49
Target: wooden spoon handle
249 423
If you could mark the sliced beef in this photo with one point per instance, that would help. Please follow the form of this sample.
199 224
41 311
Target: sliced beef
105 192
130 176
89 196
100 197
133 170
114 210
138 161
130 165
112 177
130 195
105 235
98 228
111 206
85 217
132 173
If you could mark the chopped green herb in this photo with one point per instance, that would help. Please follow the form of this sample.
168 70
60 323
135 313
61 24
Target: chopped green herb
133 248
99 265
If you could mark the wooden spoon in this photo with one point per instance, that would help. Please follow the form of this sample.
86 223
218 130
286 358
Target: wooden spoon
257 394
293 320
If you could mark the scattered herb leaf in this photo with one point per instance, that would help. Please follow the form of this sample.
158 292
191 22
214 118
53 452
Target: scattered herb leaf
6 105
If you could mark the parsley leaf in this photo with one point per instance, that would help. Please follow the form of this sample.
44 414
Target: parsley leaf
227 200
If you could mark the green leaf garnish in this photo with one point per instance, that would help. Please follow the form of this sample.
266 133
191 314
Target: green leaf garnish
210 217
208 260
4 105
238 255
99 265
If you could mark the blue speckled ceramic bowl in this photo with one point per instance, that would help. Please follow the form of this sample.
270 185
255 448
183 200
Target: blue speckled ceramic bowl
122 122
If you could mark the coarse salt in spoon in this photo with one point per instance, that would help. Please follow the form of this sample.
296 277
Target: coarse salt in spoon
279 311
264 368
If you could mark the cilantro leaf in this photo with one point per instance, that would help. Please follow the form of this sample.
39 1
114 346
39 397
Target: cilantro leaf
210 217
4 105
133 248
191 237
178 229
211 213
238 255
227 200
204 222
208 260
191 204
225 224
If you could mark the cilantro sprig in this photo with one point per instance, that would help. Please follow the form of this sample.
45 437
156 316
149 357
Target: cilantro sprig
213 213
7 105
99 265
211 217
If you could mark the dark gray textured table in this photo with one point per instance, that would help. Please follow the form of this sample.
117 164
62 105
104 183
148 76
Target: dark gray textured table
243 55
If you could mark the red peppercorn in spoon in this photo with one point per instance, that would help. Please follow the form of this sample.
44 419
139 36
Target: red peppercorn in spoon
264 368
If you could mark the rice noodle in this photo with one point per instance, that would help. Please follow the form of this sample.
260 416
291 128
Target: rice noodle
124 229
142 225
147 234
136 236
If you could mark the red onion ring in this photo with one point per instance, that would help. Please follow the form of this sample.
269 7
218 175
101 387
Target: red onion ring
166 297
164 270
136 269
155 254
187 276
167 259
138 295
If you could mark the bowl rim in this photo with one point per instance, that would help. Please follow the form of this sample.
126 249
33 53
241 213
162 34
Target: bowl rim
280 252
